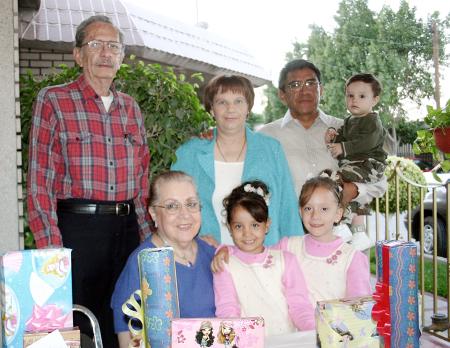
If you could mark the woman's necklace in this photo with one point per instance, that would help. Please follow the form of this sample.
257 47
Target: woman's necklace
240 152
183 256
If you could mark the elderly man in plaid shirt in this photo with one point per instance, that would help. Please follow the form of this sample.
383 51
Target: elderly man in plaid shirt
88 170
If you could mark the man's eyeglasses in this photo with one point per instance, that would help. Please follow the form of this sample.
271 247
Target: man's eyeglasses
174 207
298 85
97 45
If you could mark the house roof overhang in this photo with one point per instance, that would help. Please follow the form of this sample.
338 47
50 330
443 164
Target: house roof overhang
147 35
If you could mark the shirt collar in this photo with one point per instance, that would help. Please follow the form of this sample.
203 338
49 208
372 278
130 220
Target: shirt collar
88 92
288 118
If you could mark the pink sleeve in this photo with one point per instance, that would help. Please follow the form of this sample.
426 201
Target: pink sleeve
300 308
358 276
281 245
227 302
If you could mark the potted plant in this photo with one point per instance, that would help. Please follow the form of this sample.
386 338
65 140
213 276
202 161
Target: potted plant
436 139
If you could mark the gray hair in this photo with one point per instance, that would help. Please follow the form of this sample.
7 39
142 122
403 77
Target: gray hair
165 177
80 35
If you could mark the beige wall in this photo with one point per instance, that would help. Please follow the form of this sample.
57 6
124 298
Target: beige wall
10 188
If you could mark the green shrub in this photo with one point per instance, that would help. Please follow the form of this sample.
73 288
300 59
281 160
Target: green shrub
411 172
169 104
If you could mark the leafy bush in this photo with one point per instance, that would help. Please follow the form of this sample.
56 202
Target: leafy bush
411 172
169 104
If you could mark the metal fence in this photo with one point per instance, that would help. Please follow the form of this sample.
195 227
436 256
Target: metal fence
439 326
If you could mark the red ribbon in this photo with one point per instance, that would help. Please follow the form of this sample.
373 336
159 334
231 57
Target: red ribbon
381 309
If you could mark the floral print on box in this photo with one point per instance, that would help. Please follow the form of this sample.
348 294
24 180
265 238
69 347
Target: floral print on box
397 308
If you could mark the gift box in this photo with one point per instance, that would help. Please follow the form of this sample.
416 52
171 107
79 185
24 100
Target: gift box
71 337
35 293
346 323
158 297
396 310
216 332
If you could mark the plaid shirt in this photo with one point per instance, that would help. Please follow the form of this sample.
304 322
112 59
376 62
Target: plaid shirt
79 150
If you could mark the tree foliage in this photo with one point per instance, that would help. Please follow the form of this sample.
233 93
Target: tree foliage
407 130
396 46
170 106
274 108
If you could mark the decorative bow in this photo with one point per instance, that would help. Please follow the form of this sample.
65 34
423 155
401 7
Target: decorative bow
134 310
381 309
48 317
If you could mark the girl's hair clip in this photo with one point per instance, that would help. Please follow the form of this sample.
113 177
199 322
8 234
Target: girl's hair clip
259 191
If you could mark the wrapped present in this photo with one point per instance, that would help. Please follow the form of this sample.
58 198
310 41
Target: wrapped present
156 303
346 323
36 292
396 310
216 332
71 337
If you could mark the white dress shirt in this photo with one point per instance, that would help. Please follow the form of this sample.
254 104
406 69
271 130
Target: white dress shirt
307 154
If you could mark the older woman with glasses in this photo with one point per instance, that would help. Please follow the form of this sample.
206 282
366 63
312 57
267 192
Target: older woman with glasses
175 209
236 154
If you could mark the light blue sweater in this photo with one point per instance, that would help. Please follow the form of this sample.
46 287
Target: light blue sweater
265 161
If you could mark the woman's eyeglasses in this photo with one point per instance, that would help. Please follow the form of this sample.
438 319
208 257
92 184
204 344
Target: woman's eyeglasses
174 207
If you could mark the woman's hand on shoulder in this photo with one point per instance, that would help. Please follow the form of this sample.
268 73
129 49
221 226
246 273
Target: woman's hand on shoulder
208 238
222 256
207 135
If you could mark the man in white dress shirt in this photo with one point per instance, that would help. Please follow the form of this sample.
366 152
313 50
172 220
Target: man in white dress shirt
301 132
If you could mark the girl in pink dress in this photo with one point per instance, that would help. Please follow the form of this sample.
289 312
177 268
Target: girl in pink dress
258 281
332 268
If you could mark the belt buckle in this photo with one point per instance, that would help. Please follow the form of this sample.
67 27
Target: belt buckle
122 205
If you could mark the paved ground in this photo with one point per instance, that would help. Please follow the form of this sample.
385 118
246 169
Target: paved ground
430 341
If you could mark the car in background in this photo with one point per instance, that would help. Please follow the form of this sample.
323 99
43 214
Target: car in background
424 165
428 223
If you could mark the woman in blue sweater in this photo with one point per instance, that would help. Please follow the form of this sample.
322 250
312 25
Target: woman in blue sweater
236 154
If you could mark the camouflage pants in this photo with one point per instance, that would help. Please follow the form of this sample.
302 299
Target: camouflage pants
367 172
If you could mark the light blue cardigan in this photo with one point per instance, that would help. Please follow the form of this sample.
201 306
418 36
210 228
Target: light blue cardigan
265 161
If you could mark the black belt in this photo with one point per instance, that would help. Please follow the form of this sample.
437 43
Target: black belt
119 209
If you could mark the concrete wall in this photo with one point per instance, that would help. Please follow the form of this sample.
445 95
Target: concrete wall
11 212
